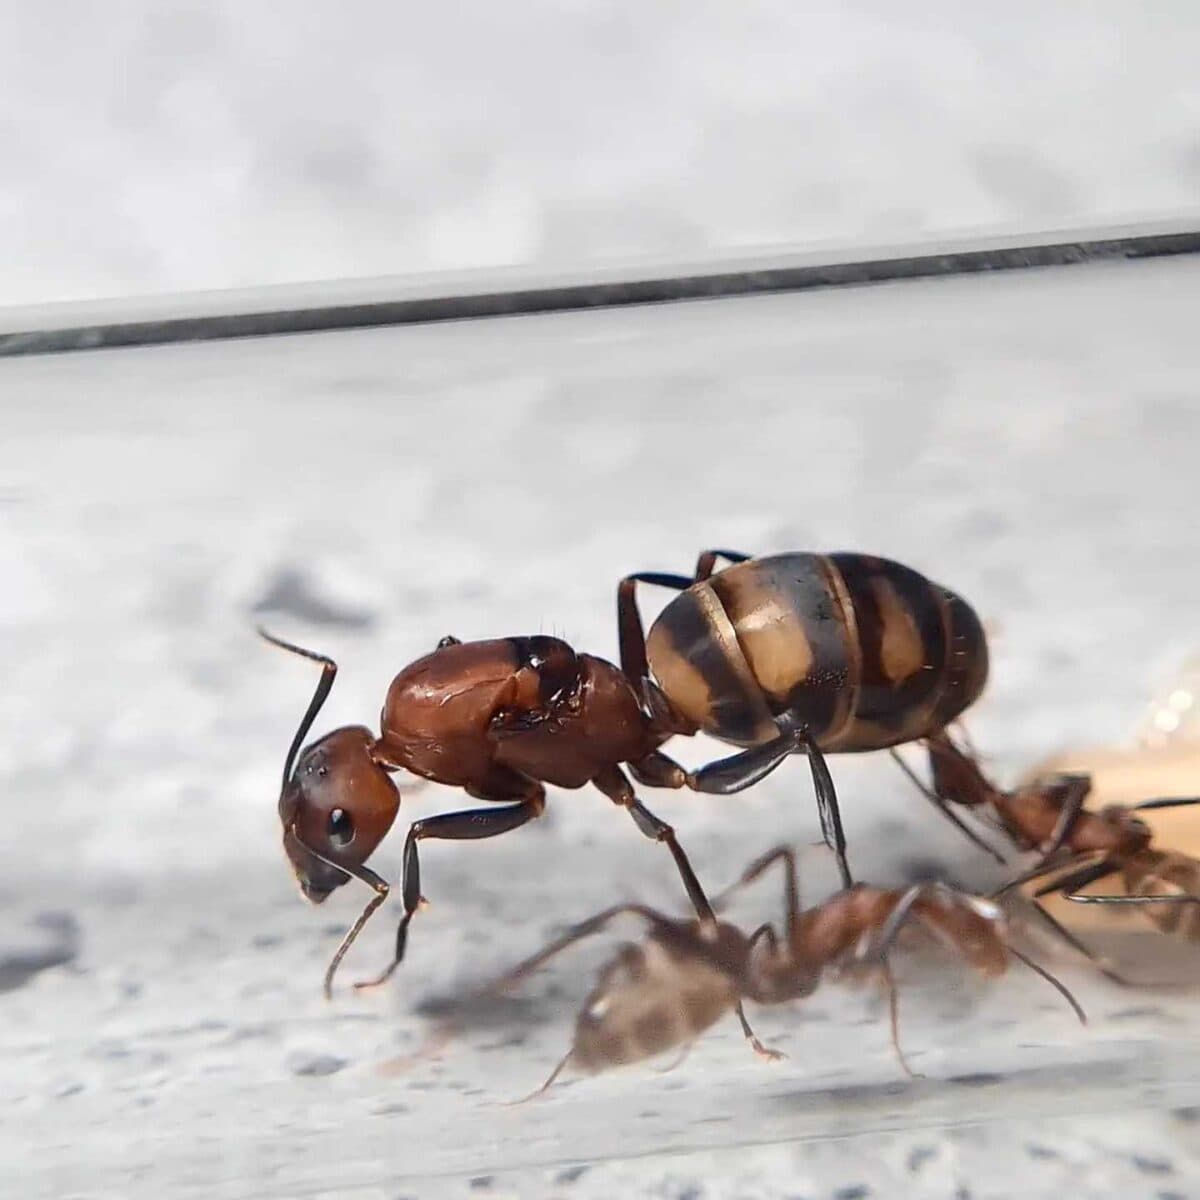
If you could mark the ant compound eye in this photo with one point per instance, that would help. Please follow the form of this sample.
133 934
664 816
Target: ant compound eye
341 828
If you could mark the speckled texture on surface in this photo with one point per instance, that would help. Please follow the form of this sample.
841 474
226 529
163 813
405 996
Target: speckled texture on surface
1031 442
165 145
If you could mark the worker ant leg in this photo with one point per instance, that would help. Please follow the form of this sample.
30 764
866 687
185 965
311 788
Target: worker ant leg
585 929
1073 791
943 807
631 633
1070 888
907 910
1080 947
791 890
763 1052
893 994
470 824
739 771
612 782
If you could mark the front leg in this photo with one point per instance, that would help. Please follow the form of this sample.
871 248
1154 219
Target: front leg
470 824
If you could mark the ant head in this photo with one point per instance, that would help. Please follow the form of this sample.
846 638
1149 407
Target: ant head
338 803
336 808
1135 832
774 973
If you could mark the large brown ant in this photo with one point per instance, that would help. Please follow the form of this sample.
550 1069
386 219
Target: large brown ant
1077 846
793 653
662 993
500 719
801 653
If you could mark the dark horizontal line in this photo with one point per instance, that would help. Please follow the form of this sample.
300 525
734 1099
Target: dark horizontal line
575 297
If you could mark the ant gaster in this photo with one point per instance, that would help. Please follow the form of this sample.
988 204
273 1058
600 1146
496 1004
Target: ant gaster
801 653
665 991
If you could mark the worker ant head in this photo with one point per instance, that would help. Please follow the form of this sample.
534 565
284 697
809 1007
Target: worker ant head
338 803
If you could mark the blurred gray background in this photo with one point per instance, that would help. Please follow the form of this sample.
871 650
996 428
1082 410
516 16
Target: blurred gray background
1030 440
153 147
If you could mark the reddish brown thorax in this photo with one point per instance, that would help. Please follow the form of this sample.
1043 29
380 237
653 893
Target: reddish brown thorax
527 704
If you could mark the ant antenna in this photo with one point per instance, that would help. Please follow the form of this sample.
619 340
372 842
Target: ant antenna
1053 981
541 1091
328 675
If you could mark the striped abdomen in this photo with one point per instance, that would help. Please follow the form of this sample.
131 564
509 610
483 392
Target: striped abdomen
860 651
1166 873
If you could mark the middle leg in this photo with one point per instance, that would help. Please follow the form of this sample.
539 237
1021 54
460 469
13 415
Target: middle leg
740 771
612 782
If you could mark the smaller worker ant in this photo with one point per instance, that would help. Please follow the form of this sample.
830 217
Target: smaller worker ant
662 993
1077 846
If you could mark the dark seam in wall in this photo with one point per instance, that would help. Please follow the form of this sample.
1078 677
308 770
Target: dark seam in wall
577 297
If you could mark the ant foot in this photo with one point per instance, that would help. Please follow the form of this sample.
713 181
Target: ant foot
765 1052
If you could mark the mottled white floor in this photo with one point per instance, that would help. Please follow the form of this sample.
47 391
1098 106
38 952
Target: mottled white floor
155 146
1031 441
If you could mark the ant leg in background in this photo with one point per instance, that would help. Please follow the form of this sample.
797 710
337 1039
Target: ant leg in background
943 807
791 888
740 771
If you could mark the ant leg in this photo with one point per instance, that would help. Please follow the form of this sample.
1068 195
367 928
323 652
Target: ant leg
577 933
708 560
470 824
1135 898
631 632
763 1052
1040 871
740 771
896 920
1080 947
449 1027
1057 984
791 886
612 782
889 980
940 804
1068 886
541 1091
657 770
1170 802
677 1061
1076 789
